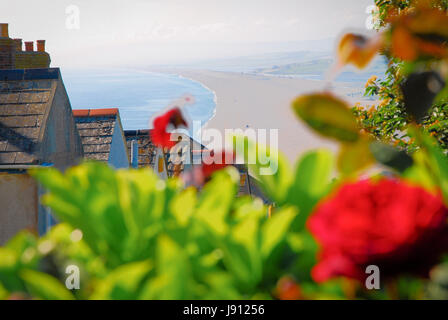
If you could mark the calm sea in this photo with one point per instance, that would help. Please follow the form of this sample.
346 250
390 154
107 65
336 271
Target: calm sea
138 95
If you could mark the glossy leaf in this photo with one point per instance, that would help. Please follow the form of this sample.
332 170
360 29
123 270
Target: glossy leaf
434 161
44 286
276 229
273 173
390 156
354 157
328 116
123 283
173 272
217 197
312 182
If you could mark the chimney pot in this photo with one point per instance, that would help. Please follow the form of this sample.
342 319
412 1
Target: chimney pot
29 46
4 30
41 45
18 43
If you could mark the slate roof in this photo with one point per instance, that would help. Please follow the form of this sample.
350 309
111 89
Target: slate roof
25 100
96 128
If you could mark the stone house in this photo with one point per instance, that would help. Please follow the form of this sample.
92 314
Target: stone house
37 128
102 136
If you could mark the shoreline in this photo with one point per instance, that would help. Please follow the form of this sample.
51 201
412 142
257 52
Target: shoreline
215 96
254 101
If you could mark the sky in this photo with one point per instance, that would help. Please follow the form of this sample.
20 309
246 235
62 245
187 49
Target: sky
84 33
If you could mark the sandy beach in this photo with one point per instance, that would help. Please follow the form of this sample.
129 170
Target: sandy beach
264 102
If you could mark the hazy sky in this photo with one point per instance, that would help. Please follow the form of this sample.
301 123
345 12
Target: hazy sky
129 32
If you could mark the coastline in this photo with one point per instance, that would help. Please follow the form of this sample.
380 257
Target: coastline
245 100
215 97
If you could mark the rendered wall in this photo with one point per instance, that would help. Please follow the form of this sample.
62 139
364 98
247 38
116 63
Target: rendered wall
61 144
19 205
118 156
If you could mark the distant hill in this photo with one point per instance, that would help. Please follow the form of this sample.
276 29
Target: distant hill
317 66
316 69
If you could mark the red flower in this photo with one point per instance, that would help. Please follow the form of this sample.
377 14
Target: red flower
210 164
160 135
387 223
215 162
288 289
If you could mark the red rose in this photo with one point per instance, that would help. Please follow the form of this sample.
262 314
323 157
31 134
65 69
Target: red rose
160 135
398 227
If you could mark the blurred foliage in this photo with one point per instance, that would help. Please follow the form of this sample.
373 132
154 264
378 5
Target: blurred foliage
134 236
387 120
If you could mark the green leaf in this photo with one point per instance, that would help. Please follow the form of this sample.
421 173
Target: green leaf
275 230
215 202
44 286
122 283
243 261
306 249
270 168
434 160
354 157
390 156
419 173
182 206
173 273
222 287
4 294
312 182
119 212
328 116
8 259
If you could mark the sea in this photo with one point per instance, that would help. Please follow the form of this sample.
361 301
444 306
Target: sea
139 95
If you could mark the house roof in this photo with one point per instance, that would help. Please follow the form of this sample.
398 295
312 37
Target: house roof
26 98
96 128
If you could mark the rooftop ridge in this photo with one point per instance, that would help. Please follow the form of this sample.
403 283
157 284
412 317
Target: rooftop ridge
29 74
78 113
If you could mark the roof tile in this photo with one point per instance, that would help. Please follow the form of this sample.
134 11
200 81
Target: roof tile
23 157
7 157
98 156
36 108
81 113
96 128
12 110
19 121
96 140
103 112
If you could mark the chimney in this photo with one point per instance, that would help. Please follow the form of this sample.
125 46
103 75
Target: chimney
41 45
4 30
18 44
29 46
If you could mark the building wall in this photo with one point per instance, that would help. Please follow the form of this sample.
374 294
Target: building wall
146 149
118 156
61 143
19 205
31 60
7 56
160 165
